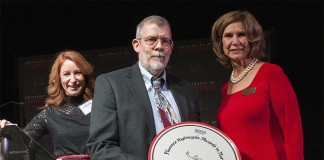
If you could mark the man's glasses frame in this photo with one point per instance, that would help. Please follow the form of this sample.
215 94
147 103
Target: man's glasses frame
152 41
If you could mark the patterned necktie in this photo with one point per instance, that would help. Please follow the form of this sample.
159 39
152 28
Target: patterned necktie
166 112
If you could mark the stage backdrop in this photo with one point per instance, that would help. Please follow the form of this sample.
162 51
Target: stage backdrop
193 60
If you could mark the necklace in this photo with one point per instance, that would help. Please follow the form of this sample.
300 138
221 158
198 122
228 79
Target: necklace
243 74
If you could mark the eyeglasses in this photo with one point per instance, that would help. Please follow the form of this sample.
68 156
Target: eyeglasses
152 41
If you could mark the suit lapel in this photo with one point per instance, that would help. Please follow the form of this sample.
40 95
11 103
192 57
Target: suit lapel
137 87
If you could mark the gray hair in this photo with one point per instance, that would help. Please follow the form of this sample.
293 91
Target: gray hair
154 19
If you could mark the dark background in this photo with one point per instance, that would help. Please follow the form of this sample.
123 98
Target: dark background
31 28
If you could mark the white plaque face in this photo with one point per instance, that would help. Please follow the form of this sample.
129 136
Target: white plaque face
192 141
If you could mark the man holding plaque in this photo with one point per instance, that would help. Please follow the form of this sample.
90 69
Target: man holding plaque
132 105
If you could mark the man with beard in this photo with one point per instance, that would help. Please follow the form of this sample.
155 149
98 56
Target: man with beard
125 116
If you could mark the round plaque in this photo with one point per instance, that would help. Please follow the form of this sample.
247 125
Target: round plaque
192 141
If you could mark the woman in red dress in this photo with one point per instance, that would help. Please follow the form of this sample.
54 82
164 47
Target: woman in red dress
259 109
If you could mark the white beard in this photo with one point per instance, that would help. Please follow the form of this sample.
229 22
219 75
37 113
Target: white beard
156 66
153 65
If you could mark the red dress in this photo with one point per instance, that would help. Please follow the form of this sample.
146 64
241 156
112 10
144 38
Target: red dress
263 120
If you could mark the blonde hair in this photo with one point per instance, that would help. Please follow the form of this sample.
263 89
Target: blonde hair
55 91
253 30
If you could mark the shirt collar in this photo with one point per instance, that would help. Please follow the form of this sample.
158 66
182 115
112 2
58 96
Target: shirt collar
147 77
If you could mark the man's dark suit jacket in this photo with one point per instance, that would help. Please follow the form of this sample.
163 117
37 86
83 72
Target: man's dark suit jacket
122 124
